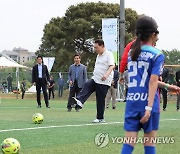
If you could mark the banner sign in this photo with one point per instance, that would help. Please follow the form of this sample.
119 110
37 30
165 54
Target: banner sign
110 35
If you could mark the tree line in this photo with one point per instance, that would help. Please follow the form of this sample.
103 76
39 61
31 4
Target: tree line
76 30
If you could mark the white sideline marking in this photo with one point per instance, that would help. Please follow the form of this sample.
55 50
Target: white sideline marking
43 107
63 126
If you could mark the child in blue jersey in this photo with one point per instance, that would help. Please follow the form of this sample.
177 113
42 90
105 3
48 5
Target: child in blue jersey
142 102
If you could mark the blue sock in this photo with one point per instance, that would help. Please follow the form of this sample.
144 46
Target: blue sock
150 149
127 149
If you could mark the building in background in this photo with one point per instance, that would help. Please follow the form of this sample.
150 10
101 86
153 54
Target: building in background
20 55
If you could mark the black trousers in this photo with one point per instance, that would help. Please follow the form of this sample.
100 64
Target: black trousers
51 90
164 94
23 93
74 91
178 101
10 88
41 84
101 91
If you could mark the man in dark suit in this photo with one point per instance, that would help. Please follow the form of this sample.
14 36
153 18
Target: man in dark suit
165 77
178 84
40 78
9 80
77 76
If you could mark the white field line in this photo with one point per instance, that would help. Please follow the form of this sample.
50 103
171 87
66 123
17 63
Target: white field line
64 126
16 107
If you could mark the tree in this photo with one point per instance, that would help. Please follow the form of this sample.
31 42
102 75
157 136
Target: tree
75 32
172 57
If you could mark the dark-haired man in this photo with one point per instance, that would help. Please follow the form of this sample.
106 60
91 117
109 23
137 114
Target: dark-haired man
77 76
23 88
9 80
40 78
165 77
100 82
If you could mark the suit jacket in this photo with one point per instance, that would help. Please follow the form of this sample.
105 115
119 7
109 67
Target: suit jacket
35 74
82 77
165 75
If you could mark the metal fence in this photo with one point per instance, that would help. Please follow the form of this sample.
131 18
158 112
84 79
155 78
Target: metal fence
28 76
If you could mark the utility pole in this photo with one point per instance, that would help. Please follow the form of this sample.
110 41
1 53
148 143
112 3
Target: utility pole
122 28
121 45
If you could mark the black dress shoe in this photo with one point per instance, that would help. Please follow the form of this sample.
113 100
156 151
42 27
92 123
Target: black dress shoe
39 106
69 110
77 109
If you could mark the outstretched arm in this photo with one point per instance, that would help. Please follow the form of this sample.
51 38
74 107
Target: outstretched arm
169 87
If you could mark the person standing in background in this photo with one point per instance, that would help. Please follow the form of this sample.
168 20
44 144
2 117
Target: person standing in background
51 87
77 76
23 88
165 77
171 78
178 84
60 85
4 85
112 91
9 80
126 81
40 78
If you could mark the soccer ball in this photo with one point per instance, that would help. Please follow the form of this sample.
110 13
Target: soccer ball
10 146
37 118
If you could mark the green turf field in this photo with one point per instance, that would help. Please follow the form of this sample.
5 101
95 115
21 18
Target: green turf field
65 132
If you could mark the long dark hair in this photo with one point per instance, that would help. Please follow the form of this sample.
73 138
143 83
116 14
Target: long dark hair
145 26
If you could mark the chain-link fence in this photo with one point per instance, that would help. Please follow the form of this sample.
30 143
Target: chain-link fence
28 76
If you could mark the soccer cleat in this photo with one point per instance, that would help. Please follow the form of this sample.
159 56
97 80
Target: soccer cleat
69 110
77 109
78 103
98 121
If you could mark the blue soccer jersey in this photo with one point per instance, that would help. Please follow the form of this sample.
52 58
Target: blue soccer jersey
150 62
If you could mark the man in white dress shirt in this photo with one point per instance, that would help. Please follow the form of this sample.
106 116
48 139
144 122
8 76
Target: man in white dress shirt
100 82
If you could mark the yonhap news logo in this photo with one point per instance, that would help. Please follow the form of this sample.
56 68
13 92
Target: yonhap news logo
154 140
102 140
